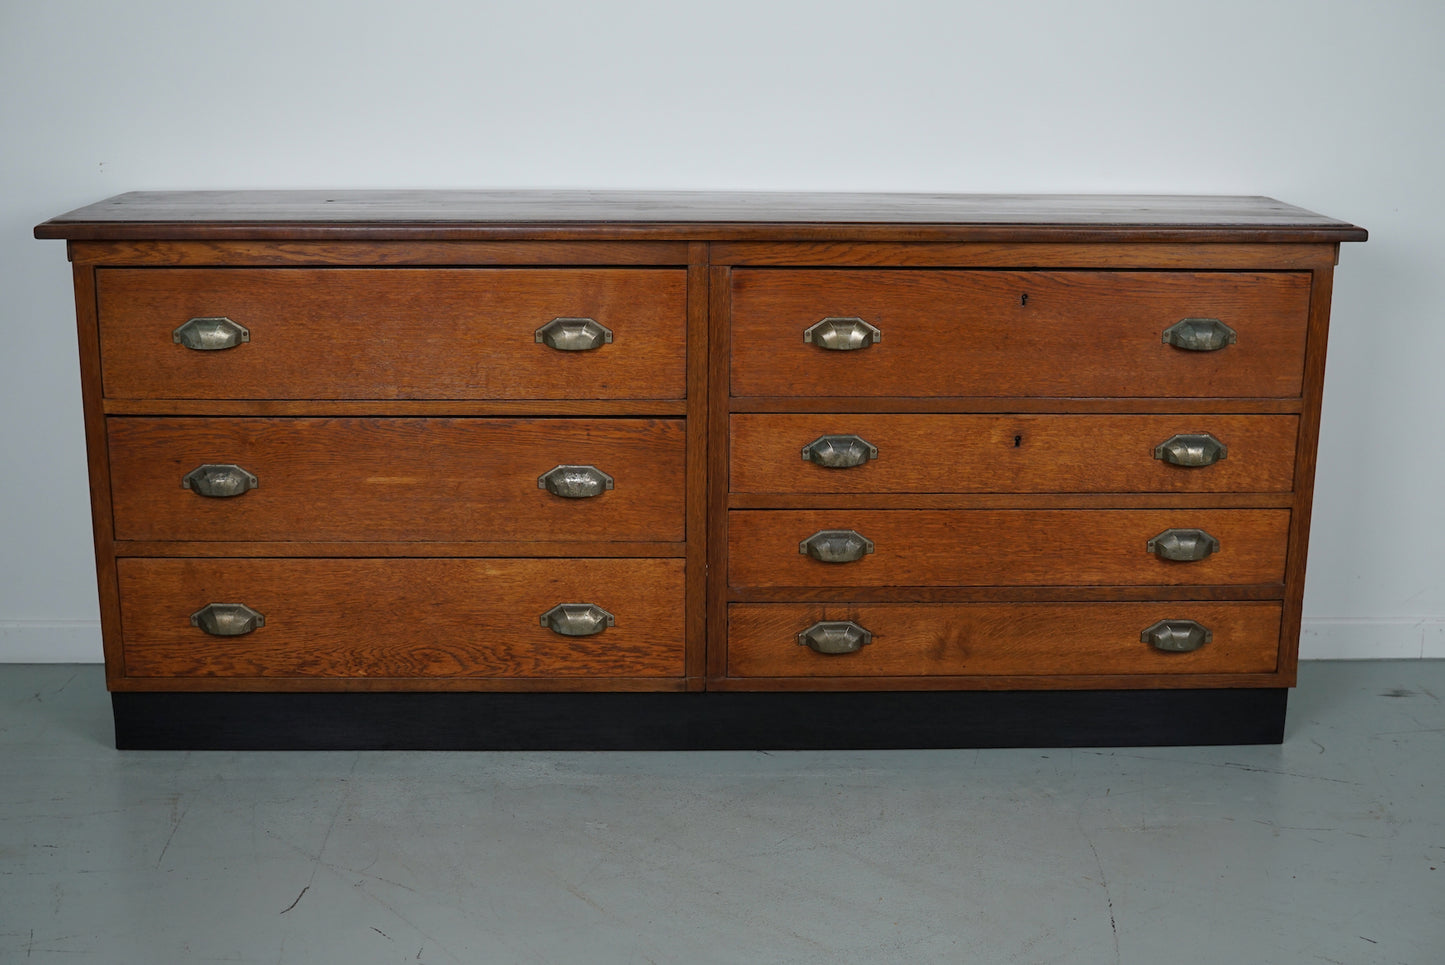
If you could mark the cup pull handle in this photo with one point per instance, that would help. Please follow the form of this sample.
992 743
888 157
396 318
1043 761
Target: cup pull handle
1199 335
211 334
577 619
832 637
1177 636
1183 545
574 334
1192 449
842 334
227 619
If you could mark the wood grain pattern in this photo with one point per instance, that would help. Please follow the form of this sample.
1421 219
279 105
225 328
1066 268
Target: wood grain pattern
397 407
98 470
402 618
310 254
697 464
1282 500
684 215
471 548
398 479
1005 547
1306 455
396 333
1010 454
1003 333
1176 405
994 593
845 254
719 348
1014 638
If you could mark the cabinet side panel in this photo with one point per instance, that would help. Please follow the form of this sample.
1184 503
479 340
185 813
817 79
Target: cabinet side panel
98 462
1306 455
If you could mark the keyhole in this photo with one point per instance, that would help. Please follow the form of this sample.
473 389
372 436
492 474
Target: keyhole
1018 441
1024 299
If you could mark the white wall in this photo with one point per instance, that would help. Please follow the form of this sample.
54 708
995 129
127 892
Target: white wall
1335 106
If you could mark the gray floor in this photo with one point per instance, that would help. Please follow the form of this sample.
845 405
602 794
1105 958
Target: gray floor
1330 848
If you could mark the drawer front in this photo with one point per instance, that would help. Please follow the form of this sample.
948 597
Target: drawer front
1025 639
397 479
1018 333
1006 548
401 618
394 333
1011 454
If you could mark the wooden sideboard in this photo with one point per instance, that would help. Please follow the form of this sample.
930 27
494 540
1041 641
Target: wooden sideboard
594 469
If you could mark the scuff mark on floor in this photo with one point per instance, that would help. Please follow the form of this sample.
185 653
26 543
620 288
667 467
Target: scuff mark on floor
304 889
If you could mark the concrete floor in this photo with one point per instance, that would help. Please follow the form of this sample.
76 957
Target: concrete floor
1330 848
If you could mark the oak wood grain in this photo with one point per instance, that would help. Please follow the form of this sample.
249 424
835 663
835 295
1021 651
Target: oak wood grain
697 463
402 618
1005 547
1010 333
1175 405
398 479
1015 638
401 333
852 254
397 407
1010 454
833 501
310 254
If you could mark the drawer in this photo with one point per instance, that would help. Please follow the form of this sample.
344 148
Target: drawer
402 617
397 479
1006 547
1011 454
1018 333
392 333
1024 639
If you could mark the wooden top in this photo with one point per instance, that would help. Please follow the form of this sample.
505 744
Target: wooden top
687 215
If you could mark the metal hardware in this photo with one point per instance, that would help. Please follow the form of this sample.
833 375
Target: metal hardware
836 546
835 636
575 482
1191 449
1199 335
1183 545
577 619
1177 636
219 481
227 619
211 334
574 334
842 334
839 452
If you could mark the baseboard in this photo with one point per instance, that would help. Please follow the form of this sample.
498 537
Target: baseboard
696 721
1343 638
50 641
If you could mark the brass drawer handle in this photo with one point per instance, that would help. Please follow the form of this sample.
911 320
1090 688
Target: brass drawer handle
1199 335
1177 636
1191 449
835 637
836 546
577 619
211 334
1183 545
219 481
839 452
575 482
227 619
842 334
574 334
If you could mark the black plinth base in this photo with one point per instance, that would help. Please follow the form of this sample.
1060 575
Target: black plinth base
695 721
